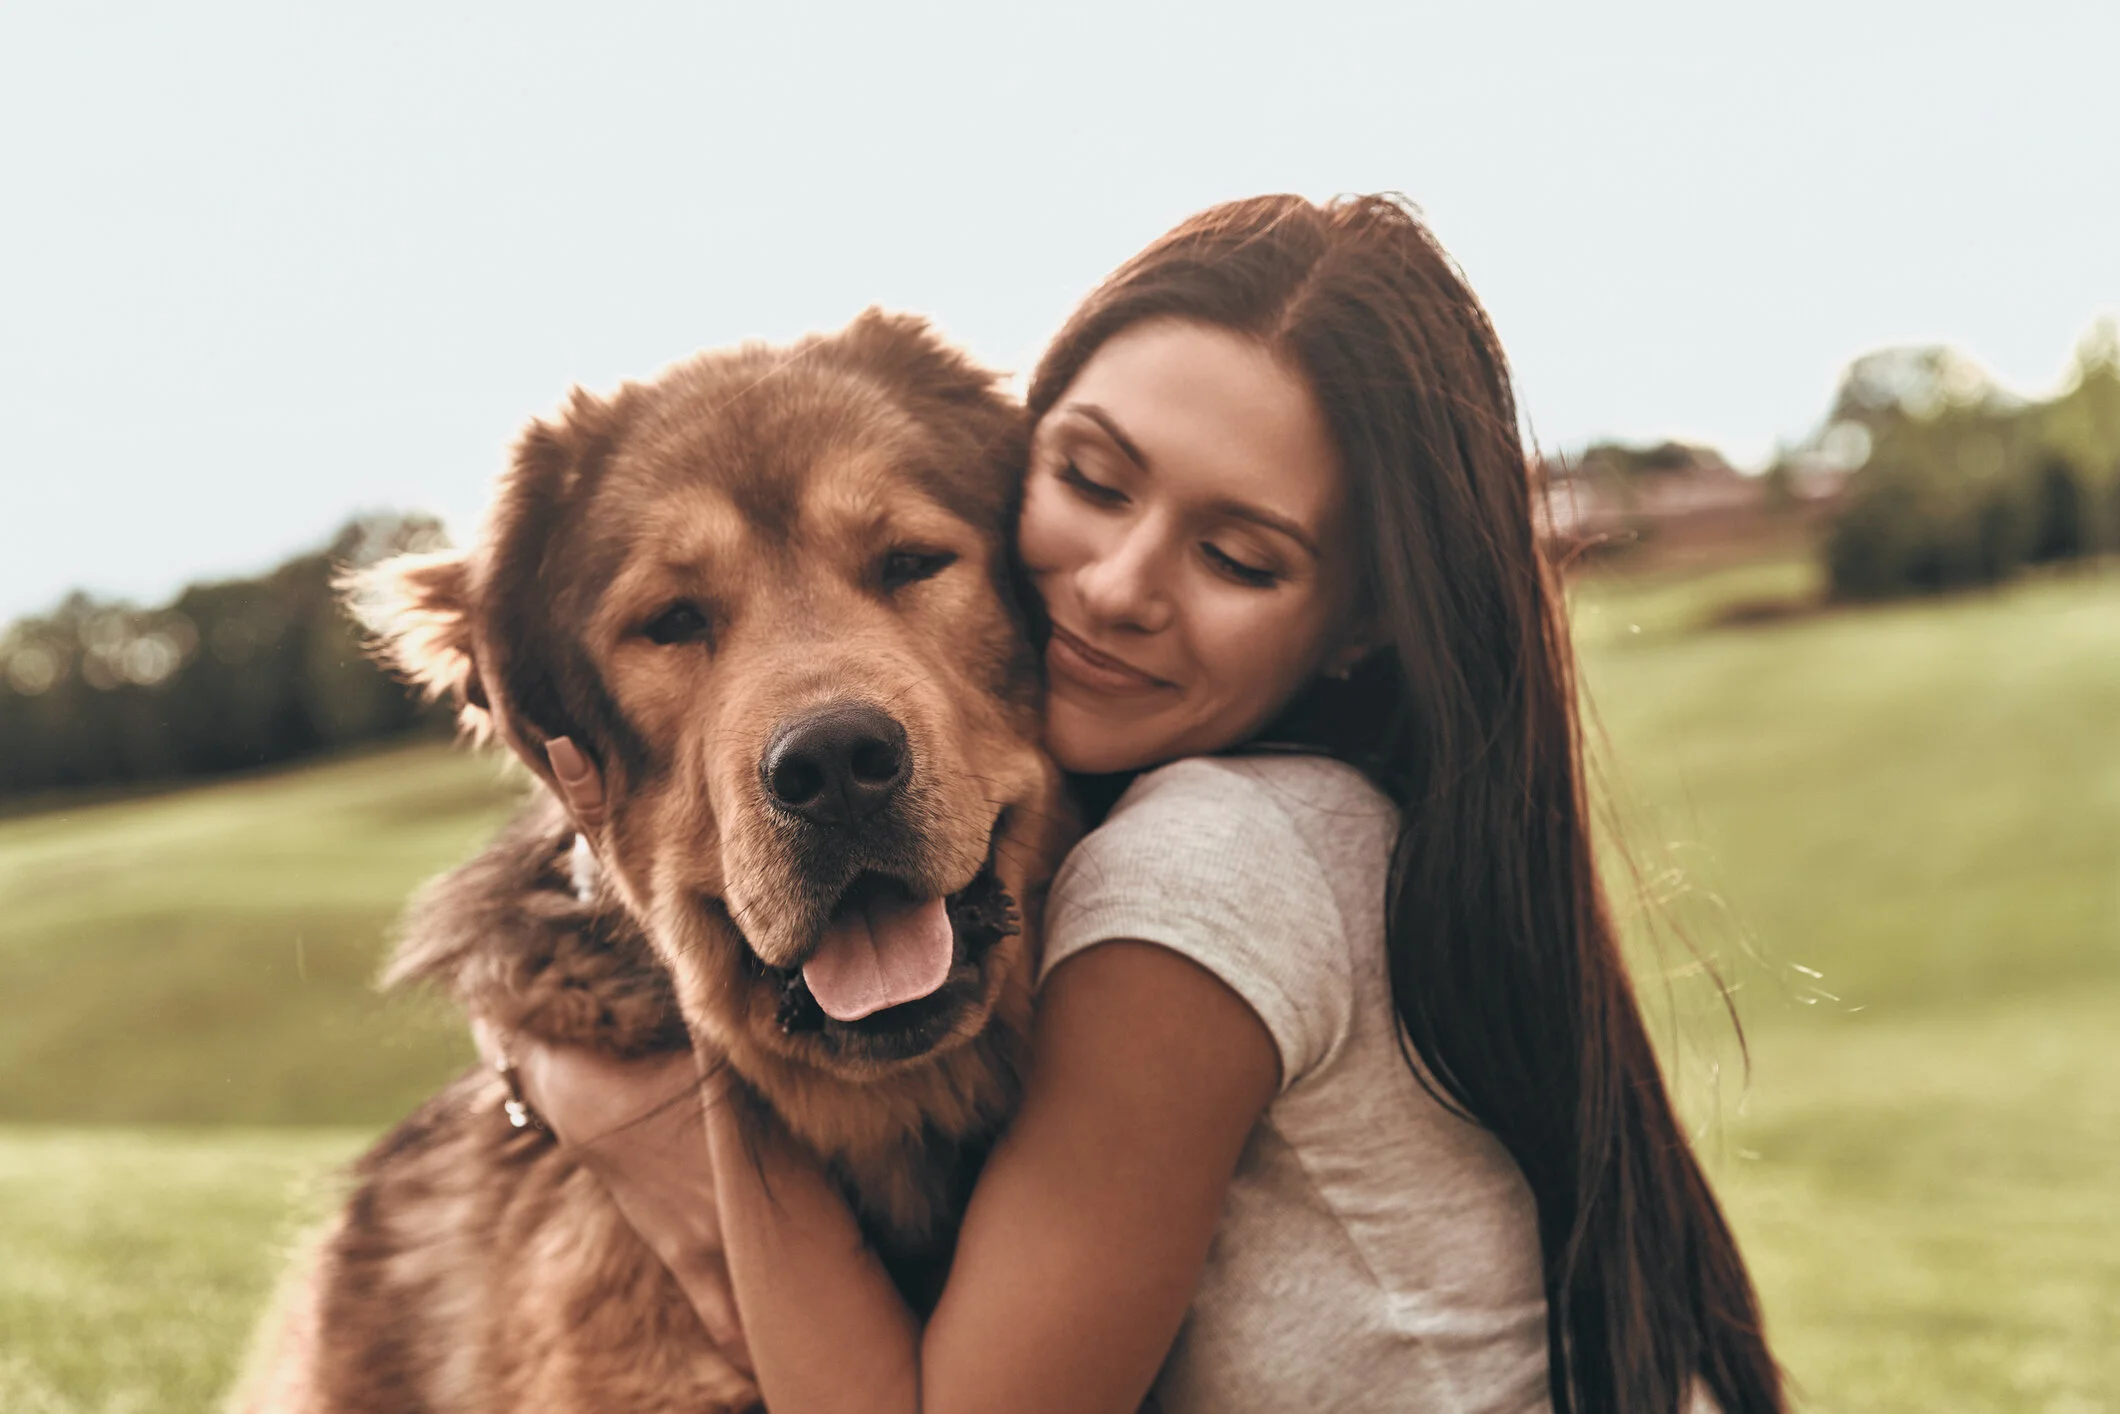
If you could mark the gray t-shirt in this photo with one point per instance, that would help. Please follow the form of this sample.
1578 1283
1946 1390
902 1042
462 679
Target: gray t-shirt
1376 1252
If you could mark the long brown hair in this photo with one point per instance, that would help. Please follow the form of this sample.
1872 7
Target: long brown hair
1505 962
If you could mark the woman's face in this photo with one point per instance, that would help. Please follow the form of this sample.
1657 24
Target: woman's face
1184 522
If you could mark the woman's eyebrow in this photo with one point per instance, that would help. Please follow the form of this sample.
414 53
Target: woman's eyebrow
1112 430
1259 515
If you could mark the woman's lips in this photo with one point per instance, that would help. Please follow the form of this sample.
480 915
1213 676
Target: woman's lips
1069 657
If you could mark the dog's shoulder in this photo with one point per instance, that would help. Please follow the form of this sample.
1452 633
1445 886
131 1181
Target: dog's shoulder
512 938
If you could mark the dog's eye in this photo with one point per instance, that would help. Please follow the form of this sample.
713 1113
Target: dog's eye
903 567
680 623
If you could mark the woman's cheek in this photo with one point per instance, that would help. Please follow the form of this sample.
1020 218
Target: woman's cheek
1262 644
1039 528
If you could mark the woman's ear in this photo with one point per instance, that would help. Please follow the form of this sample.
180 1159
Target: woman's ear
418 609
1359 642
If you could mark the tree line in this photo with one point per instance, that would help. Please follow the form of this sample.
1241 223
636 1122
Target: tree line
229 676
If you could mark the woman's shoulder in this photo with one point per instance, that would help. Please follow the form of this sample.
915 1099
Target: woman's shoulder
1270 814
1283 824
1266 870
1301 786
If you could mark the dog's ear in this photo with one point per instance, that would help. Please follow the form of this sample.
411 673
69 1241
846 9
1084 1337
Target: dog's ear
531 608
553 453
418 610
961 401
905 351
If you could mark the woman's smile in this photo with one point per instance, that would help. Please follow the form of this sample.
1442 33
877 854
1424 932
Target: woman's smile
1068 656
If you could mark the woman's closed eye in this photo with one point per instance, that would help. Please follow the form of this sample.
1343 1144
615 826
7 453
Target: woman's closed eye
1095 492
1256 576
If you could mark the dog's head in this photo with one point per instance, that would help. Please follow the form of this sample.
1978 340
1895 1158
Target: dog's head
752 621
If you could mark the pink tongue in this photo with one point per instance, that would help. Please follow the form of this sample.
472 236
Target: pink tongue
882 954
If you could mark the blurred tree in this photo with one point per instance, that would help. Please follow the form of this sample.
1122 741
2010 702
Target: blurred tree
1916 383
2081 427
2061 524
1962 483
231 675
1936 505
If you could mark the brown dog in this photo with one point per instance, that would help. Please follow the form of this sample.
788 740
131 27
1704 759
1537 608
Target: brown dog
751 623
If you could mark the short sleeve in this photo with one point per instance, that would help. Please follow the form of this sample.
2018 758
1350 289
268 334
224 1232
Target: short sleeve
1200 858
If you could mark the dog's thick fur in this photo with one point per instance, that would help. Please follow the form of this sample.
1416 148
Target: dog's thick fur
668 577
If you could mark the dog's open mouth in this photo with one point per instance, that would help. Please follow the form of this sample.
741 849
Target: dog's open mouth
881 948
889 963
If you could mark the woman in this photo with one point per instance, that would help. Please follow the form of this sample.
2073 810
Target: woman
1341 1097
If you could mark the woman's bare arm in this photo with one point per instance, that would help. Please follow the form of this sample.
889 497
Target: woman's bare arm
1085 1236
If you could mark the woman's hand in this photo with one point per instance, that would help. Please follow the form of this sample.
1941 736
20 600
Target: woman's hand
637 1125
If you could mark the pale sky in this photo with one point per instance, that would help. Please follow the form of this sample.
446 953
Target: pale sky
265 265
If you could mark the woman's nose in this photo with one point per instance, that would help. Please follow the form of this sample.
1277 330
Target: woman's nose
1122 587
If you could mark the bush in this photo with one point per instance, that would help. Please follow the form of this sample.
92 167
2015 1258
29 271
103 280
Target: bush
2063 527
1936 507
1967 498
1966 484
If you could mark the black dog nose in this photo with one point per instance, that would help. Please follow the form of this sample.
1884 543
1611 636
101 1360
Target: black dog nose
837 765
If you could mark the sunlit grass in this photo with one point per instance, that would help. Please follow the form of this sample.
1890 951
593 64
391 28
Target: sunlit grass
1928 1206
209 955
1921 802
1897 831
134 1262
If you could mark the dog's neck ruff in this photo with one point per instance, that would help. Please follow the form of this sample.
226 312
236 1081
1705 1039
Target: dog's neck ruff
583 870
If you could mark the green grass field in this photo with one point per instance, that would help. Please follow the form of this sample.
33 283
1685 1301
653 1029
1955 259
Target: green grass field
208 956
1895 830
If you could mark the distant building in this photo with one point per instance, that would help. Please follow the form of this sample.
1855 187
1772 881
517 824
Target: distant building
1616 495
